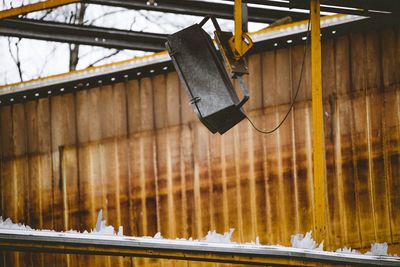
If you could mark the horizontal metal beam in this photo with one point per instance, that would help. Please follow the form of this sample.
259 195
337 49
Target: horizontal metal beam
364 7
88 35
325 7
202 8
53 242
380 5
34 7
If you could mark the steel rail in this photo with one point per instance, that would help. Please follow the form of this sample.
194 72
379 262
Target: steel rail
381 5
202 8
88 35
326 6
71 243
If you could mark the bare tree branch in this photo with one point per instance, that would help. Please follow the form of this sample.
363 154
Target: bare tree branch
92 21
90 52
46 61
103 58
46 13
16 57
153 19
74 49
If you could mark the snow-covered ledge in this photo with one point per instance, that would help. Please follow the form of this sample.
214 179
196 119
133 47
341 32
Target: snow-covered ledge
214 247
98 244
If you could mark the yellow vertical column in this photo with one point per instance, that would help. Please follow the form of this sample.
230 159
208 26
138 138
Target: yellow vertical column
238 25
318 125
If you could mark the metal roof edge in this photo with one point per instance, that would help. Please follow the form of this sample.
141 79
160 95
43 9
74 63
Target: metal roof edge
301 27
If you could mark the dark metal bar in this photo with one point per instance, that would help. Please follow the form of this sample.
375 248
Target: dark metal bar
245 17
201 8
381 5
326 6
88 35
365 7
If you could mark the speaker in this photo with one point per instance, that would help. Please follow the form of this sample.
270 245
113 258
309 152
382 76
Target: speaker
208 86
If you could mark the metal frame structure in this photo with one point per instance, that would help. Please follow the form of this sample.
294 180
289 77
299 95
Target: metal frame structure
151 42
250 254
202 8
88 35
270 38
265 12
369 8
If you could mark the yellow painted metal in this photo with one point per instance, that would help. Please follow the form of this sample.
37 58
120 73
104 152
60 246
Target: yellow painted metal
318 126
241 42
34 7
238 25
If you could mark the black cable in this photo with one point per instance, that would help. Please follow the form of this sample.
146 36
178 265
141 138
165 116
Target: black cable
297 90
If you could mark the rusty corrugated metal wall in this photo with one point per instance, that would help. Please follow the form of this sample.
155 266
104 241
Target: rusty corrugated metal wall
136 151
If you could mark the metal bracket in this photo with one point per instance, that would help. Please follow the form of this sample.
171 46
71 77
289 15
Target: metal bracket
233 48
236 65
241 42
245 91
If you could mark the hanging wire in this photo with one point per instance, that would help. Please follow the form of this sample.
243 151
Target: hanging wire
297 90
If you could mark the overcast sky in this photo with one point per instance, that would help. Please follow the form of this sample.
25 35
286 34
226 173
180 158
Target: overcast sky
41 58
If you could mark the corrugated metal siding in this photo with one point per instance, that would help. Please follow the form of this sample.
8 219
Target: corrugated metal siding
136 151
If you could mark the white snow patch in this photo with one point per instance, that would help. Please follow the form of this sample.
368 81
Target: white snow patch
306 242
101 227
158 236
214 237
8 224
72 231
346 250
120 231
379 249
256 243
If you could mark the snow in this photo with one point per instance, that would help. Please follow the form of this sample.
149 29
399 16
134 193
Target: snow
158 236
120 231
256 243
214 237
102 228
306 242
99 221
299 242
346 250
8 224
379 249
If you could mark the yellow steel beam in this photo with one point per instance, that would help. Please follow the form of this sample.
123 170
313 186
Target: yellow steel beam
318 125
34 7
241 42
238 26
